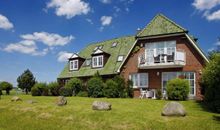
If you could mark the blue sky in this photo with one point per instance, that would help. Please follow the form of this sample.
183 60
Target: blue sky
41 34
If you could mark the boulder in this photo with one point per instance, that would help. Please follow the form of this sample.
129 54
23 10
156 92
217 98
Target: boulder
173 109
15 99
61 101
100 105
31 101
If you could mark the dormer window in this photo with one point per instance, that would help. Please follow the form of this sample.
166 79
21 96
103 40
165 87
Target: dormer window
97 61
74 65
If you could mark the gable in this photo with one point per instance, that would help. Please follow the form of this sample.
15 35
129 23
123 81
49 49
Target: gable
161 25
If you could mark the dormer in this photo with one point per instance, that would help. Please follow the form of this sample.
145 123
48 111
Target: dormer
75 62
99 58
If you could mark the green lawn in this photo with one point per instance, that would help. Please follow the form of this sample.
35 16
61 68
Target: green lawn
77 114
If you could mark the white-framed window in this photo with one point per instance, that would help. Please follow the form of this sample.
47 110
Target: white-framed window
140 80
120 58
189 76
97 61
74 65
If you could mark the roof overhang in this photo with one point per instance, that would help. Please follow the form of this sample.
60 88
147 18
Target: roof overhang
161 35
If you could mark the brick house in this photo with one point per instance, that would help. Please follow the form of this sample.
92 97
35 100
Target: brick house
161 51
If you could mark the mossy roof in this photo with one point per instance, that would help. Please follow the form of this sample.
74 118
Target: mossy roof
160 25
123 47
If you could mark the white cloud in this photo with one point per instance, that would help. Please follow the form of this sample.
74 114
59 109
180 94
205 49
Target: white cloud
50 39
106 20
5 23
69 8
205 4
25 47
63 56
105 1
89 21
213 16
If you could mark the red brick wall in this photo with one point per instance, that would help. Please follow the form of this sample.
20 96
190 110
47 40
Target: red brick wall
194 63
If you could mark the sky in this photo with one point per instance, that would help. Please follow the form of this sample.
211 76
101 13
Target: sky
41 34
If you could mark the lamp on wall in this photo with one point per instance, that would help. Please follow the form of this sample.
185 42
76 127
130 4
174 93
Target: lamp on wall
158 73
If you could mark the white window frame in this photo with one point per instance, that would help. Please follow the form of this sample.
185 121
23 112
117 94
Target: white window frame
136 84
74 65
96 63
188 79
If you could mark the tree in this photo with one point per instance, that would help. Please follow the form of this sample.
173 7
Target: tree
211 83
6 86
26 81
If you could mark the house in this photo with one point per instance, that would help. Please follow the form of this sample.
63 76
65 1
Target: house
161 51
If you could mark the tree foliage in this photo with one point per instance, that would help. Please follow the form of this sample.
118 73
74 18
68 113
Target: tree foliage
26 80
75 85
211 83
95 87
6 86
111 89
39 89
54 88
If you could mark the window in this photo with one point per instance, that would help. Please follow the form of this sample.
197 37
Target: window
87 62
189 76
100 47
140 80
114 44
97 61
74 65
120 58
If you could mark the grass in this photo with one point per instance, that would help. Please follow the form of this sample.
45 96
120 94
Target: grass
77 114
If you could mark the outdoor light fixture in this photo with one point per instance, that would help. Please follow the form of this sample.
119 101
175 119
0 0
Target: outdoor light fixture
158 73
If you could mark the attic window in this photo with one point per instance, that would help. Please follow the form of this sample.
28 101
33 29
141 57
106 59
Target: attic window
114 44
120 58
73 65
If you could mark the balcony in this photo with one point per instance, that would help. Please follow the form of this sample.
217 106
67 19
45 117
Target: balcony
176 59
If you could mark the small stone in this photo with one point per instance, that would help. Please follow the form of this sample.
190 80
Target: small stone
100 105
173 109
31 101
61 101
15 99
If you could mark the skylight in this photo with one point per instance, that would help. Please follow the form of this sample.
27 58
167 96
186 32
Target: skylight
114 44
120 58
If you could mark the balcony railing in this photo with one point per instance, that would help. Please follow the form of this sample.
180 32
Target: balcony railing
162 60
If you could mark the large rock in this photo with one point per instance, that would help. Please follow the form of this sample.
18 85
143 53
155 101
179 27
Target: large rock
100 105
61 101
173 109
15 99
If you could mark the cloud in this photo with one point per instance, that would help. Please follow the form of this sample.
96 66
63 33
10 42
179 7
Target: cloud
89 21
106 20
50 39
105 1
5 23
25 47
63 56
69 8
206 6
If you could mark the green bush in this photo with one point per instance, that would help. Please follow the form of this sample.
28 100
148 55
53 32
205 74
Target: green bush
177 89
40 88
0 92
6 86
35 91
54 88
111 89
63 91
121 86
211 83
75 85
82 94
129 89
95 87
158 94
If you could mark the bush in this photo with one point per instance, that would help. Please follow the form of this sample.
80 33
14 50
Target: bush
0 92
211 83
63 91
158 94
95 87
121 86
40 89
177 89
129 89
111 89
75 85
54 88
82 94
6 86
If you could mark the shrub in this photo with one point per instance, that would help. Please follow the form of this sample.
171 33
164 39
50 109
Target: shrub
177 89
75 85
211 83
121 86
82 94
158 94
65 92
111 89
95 87
54 88
40 88
0 92
129 89
6 86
